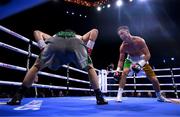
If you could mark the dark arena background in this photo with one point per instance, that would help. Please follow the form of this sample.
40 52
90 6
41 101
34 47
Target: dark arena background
67 92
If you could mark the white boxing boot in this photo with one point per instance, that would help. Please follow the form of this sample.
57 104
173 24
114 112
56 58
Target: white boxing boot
119 95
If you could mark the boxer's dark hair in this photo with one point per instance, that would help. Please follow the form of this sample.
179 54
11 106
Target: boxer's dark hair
122 28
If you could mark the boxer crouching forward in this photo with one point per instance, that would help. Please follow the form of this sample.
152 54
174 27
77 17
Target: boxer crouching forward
137 59
62 48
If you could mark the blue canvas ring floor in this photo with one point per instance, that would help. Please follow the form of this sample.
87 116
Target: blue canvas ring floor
86 107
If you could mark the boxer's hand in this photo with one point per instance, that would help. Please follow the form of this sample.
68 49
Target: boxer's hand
36 79
136 67
117 75
41 44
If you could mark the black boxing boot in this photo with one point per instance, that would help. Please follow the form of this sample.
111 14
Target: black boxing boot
16 100
99 97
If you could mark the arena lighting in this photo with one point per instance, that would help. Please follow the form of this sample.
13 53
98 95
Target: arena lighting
108 6
130 0
99 8
88 3
119 3
172 59
142 0
164 61
77 14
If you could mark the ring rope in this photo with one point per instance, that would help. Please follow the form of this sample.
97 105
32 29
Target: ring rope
41 73
43 86
162 76
16 35
16 49
142 84
172 91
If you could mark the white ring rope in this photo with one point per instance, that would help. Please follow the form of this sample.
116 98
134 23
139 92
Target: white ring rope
16 49
175 68
161 76
41 73
16 35
165 69
142 84
144 91
75 69
43 86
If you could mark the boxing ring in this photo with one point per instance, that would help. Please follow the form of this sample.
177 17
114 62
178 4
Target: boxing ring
72 106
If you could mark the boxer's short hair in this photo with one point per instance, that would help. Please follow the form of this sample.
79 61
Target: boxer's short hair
123 28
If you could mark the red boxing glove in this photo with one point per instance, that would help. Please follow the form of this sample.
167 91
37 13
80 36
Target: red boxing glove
117 74
89 50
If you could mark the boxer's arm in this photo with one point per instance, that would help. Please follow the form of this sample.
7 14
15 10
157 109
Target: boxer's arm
121 58
89 38
91 35
40 37
145 51
117 73
78 36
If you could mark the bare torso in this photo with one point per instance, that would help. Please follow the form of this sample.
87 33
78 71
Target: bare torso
134 48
